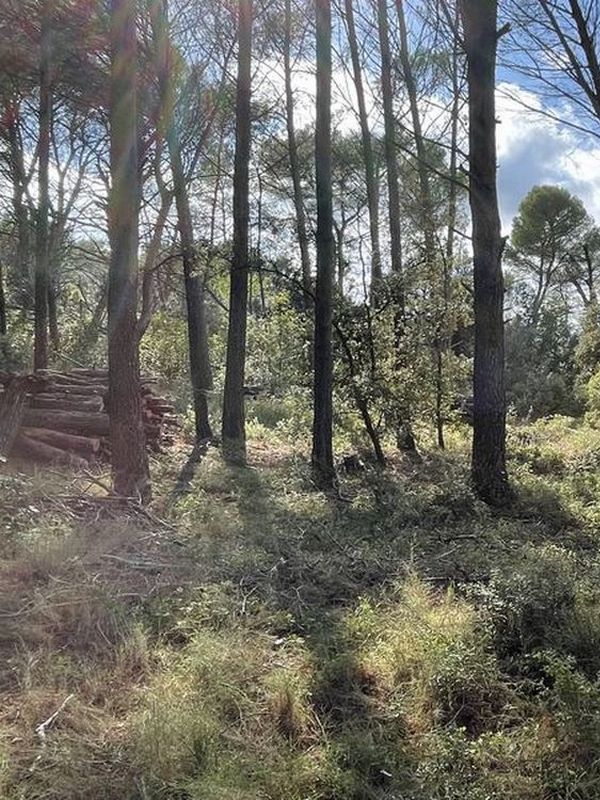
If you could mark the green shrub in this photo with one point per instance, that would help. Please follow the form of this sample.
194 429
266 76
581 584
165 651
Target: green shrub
592 396
533 599
164 353
544 602
574 702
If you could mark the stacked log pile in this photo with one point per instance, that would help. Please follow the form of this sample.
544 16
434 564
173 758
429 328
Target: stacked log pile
61 417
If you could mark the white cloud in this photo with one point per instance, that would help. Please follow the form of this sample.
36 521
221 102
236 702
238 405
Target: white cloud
534 148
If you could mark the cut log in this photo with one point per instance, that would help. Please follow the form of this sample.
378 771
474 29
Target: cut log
72 403
97 390
83 424
69 380
12 409
65 411
36 385
83 446
96 376
43 453
160 407
89 371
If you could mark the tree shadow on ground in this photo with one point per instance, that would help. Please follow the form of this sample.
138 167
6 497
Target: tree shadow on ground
312 557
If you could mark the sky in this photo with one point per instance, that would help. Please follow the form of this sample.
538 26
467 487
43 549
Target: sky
535 149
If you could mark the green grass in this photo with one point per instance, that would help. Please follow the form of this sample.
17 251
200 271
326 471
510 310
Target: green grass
267 642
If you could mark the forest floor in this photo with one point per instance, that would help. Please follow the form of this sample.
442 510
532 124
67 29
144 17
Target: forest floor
255 639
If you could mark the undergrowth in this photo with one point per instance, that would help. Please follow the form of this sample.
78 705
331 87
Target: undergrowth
258 640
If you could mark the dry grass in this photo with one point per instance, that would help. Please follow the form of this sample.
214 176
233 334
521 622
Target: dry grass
272 643
69 611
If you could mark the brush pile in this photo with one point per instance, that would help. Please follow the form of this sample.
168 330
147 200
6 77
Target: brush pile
61 418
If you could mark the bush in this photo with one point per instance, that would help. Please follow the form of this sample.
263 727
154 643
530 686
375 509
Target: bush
574 702
544 603
592 396
164 352
533 600
10 361
540 374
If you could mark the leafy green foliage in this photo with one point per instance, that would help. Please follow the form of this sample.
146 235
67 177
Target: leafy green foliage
540 377
587 355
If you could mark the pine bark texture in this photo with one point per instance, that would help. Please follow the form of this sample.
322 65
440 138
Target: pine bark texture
322 446
489 410
234 427
127 437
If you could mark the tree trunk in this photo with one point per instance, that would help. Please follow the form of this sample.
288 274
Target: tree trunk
489 404
439 392
84 446
301 226
391 162
3 322
234 427
404 437
340 257
367 148
322 445
128 445
453 168
149 269
425 202
41 282
426 212
200 370
18 180
53 326
444 339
